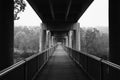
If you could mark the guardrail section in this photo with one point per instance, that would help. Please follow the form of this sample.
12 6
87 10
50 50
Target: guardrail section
96 68
29 68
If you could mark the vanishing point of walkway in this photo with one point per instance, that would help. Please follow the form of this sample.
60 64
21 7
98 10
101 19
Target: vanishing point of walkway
61 67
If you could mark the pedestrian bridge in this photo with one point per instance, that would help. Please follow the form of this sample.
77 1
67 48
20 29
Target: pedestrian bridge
62 63
54 60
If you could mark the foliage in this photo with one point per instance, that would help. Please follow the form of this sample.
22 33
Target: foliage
95 42
19 6
26 42
21 40
26 38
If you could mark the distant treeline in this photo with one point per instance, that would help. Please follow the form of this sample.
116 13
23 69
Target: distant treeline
95 42
26 42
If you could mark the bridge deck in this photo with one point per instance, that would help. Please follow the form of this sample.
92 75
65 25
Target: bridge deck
61 67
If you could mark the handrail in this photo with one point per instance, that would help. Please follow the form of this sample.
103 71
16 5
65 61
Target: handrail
4 71
116 66
25 63
89 55
95 67
31 57
35 55
99 59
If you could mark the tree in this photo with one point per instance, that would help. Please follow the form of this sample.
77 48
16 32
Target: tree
26 42
82 39
90 37
34 39
102 45
21 41
94 42
19 6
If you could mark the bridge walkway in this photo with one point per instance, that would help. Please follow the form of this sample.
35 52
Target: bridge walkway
61 67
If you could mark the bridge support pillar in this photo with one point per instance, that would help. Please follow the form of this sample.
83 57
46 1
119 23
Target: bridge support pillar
78 44
49 39
45 39
6 33
74 43
70 38
47 43
52 40
66 40
42 38
114 31
75 35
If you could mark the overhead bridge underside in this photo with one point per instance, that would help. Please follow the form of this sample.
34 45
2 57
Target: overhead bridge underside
59 14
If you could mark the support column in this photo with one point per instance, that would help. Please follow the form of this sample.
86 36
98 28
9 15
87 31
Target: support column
6 33
76 36
70 38
42 40
114 31
52 40
66 40
74 39
49 39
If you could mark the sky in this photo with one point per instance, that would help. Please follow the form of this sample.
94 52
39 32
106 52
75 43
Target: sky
28 17
95 15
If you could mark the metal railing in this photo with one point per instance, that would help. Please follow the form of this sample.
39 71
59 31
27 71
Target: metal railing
95 67
28 68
